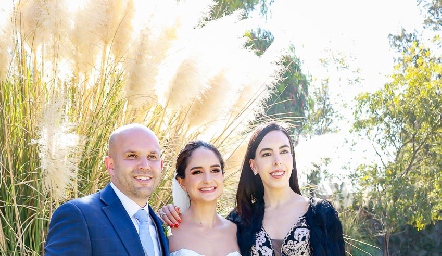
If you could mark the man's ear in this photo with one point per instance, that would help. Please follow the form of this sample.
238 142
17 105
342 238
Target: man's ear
181 182
109 162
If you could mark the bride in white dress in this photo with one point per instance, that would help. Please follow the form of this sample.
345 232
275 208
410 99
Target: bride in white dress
203 232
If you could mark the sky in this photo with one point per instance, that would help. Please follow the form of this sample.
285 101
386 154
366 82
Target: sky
357 30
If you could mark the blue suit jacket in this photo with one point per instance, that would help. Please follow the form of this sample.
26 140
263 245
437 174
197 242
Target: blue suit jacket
97 224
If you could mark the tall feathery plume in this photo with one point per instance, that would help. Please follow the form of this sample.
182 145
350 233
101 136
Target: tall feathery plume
214 103
220 43
105 17
165 23
193 61
31 16
97 25
115 28
114 12
189 79
58 150
141 64
258 79
122 40
138 82
236 157
85 38
45 29
6 40
181 66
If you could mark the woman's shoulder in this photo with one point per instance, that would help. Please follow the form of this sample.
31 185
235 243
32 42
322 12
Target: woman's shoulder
184 252
325 227
234 217
228 226
187 252
318 204
321 210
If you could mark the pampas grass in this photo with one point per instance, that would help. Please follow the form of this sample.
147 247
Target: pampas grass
5 38
57 150
71 74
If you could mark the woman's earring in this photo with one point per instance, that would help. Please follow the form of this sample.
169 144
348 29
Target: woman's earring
253 170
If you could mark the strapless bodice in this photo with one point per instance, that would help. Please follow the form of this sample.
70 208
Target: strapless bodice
187 252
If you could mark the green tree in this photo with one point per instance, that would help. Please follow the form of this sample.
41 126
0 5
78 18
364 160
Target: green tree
224 7
433 14
403 121
318 173
289 99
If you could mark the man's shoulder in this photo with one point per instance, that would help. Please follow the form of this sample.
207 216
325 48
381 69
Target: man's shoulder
86 202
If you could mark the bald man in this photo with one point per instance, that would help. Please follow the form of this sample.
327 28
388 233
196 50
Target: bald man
104 223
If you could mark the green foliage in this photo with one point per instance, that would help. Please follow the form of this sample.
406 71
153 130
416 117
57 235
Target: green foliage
20 179
259 40
319 173
358 232
289 100
27 198
324 107
411 241
321 114
225 7
433 13
403 120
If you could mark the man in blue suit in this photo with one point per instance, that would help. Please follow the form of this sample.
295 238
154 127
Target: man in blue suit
104 223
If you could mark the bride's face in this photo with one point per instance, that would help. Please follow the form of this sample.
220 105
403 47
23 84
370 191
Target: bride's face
203 176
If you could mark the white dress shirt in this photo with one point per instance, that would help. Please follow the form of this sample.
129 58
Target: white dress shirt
131 208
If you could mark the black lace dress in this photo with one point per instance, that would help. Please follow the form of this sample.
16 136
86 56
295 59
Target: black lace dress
317 233
296 241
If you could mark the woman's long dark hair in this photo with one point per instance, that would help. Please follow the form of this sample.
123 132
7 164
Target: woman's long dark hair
250 193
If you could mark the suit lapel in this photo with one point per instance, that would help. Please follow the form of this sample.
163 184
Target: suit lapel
121 221
164 241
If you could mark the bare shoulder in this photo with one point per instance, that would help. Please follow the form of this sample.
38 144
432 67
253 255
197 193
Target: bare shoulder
301 202
301 199
181 236
228 225
186 235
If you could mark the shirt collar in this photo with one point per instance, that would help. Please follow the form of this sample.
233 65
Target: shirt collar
129 205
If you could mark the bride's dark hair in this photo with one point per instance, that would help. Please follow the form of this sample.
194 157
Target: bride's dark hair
186 153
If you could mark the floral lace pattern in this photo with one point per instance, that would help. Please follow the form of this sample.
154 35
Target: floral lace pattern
187 252
295 243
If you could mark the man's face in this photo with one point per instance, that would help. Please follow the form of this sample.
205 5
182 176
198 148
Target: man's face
134 163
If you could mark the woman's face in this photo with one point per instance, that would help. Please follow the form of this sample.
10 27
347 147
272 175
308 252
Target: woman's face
204 177
273 160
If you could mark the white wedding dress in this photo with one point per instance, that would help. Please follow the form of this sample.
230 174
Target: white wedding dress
187 252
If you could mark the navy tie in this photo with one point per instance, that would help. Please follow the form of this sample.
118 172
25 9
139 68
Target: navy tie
146 239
